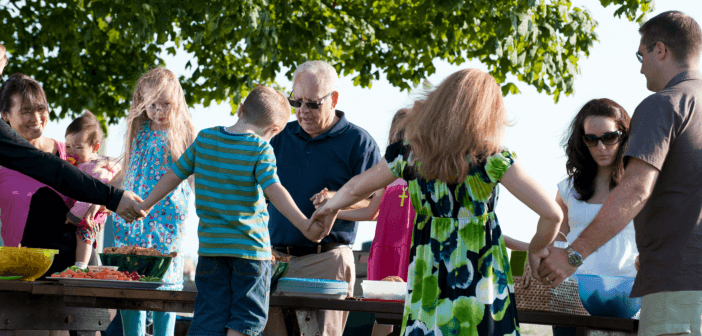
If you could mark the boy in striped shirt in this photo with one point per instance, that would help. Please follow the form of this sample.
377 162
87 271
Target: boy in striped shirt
234 167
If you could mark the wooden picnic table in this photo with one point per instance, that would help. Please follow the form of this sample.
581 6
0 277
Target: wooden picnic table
48 305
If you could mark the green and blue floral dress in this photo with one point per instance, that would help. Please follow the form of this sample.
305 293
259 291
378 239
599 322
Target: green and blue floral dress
459 281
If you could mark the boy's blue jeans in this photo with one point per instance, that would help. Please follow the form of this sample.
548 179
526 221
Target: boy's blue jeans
232 293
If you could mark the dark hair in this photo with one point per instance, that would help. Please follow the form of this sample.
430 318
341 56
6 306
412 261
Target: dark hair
264 107
31 93
679 32
86 122
581 167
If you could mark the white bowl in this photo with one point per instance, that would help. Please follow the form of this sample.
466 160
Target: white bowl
384 290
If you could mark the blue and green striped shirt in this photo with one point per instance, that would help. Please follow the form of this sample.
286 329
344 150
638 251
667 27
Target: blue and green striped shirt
231 172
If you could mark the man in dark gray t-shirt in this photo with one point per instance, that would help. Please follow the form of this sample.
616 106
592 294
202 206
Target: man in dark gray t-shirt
662 186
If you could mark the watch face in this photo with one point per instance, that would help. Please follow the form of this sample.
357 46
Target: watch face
575 259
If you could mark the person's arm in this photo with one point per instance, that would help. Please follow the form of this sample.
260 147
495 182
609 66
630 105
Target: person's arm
18 154
368 213
97 170
565 228
356 189
620 208
514 244
281 199
168 182
529 192
356 212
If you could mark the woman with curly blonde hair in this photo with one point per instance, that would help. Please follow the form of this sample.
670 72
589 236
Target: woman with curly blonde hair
459 280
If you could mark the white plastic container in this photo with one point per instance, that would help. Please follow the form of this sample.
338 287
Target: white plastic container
384 290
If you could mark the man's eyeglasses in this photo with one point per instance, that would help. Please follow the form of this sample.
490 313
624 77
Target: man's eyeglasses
310 105
639 55
607 139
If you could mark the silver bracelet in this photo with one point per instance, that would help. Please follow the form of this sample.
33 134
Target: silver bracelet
560 244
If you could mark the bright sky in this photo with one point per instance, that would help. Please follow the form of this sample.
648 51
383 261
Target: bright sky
611 71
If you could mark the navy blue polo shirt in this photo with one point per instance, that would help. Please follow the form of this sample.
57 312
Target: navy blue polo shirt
306 166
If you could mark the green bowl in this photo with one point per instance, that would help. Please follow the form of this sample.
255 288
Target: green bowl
145 265
278 270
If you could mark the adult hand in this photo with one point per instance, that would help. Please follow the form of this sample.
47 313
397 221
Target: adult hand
555 268
636 263
127 207
320 198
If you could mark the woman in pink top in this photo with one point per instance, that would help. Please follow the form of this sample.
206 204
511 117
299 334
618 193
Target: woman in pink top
24 107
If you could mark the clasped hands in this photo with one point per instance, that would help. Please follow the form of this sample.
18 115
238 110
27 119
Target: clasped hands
550 265
322 220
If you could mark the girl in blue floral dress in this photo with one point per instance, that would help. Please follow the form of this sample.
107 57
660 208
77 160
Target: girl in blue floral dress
459 281
159 129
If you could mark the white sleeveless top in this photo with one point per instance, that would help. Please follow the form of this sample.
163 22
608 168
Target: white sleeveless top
617 256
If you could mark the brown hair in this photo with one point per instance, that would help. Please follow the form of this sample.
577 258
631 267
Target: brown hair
86 122
461 123
31 93
397 126
581 167
265 107
180 129
680 33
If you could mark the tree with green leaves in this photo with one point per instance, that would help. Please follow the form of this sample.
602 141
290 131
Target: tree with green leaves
89 54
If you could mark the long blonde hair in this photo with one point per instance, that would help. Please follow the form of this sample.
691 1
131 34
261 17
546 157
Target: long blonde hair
180 129
461 123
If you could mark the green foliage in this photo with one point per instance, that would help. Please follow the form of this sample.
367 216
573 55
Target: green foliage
89 54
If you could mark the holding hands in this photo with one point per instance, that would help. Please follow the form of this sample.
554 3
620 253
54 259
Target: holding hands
129 209
324 217
554 267
322 197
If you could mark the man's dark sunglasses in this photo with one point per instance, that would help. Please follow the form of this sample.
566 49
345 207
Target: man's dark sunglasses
310 105
608 139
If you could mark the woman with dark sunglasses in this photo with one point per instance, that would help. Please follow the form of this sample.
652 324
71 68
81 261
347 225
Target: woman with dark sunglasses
595 146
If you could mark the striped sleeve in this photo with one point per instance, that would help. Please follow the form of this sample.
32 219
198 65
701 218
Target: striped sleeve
265 170
185 166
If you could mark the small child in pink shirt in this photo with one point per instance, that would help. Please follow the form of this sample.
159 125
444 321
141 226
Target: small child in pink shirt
83 139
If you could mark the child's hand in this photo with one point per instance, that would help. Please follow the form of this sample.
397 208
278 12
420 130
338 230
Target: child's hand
314 231
636 263
143 209
69 221
90 215
325 215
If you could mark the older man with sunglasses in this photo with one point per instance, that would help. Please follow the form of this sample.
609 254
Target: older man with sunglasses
321 149
661 189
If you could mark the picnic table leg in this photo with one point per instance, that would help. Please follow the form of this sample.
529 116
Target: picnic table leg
307 320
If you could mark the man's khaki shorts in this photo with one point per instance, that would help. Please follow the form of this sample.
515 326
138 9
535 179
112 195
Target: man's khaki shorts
666 313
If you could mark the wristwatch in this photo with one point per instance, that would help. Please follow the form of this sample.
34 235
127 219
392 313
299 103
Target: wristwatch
574 258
